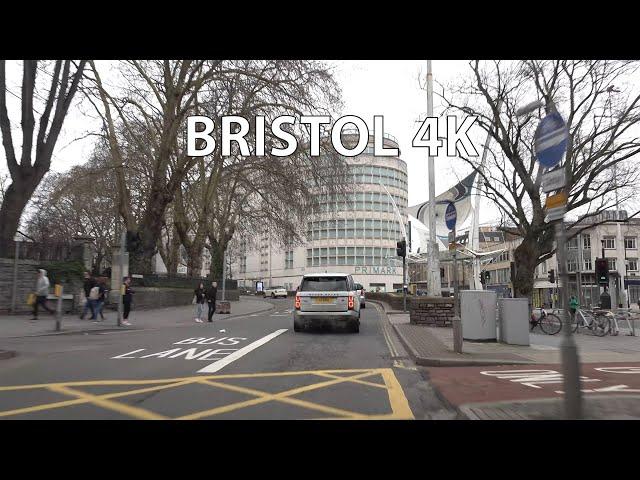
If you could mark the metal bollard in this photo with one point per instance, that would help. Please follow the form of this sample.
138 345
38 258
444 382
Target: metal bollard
58 291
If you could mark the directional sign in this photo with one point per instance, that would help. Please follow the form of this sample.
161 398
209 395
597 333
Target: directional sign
551 140
450 216
557 200
555 214
553 180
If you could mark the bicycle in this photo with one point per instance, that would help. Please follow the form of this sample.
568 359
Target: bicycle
549 322
599 321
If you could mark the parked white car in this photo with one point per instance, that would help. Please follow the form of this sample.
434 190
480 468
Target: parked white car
275 292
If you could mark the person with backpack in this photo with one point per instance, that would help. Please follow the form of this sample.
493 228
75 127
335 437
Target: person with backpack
212 293
89 283
199 299
42 291
127 299
94 295
102 298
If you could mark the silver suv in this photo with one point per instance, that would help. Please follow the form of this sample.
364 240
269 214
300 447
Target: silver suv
327 299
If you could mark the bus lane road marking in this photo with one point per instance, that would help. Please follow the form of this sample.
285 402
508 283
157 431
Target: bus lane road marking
222 350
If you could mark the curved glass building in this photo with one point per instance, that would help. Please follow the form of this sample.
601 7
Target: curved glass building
355 233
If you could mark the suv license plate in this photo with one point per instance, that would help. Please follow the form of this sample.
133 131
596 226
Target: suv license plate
323 300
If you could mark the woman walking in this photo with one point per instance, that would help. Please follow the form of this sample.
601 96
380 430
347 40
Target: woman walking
199 299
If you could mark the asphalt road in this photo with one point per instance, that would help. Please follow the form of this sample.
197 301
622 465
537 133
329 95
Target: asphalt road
251 367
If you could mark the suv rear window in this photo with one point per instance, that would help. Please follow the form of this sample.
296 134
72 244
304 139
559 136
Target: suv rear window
324 284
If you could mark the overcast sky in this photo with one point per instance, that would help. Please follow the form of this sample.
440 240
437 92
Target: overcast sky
390 88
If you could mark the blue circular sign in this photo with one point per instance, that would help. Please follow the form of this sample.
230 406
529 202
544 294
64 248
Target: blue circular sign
551 140
450 216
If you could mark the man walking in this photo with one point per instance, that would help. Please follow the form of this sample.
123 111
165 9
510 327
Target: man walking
212 292
127 298
42 290
89 283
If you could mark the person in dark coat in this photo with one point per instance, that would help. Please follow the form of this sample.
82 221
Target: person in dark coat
199 295
212 292
127 299
89 283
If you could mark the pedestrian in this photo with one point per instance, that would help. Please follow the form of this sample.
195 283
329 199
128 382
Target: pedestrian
89 283
127 298
212 293
102 298
42 290
199 299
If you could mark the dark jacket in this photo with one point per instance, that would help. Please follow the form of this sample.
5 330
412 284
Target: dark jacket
103 292
212 292
200 295
89 283
128 294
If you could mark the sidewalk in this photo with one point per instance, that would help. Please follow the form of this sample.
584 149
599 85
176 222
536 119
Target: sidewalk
433 346
15 326
608 407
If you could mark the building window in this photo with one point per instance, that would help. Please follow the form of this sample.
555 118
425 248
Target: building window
573 243
572 265
586 241
587 264
243 264
612 263
633 264
288 259
609 243
630 243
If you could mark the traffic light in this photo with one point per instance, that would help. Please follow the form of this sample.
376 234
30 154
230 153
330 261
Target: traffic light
401 248
602 271
552 276
487 277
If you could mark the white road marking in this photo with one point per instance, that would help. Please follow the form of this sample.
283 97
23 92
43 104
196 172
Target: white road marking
543 347
223 362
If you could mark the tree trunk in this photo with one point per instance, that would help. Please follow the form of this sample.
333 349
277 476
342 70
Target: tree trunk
526 259
142 244
217 259
15 200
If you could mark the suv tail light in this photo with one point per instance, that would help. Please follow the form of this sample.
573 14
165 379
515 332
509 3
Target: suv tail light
297 301
351 301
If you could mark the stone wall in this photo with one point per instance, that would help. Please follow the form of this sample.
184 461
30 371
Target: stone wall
146 298
26 282
394 300
431 311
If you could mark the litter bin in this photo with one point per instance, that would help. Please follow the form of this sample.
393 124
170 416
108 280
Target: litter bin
478 315
513 314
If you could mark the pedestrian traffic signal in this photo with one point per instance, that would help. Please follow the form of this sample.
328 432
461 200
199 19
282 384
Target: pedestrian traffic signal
483 277
602 271
552 276
487 277
401 248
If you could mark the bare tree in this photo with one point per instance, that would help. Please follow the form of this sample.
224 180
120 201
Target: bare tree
78 202
581 91
28 169
223 193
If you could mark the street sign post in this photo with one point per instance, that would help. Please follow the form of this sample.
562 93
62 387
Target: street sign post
550 143
551 140
553 180
450 218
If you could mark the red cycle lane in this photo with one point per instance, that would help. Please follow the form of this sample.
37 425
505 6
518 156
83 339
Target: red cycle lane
462 385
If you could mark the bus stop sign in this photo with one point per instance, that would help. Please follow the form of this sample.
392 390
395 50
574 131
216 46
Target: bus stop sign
551 140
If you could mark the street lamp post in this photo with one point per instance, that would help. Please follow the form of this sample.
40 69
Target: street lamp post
433 279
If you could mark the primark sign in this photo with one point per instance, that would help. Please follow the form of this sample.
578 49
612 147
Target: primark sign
371 270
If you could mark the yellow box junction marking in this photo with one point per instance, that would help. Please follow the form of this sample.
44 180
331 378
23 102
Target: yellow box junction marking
399 405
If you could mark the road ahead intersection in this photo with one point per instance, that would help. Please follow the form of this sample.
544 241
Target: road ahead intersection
249 367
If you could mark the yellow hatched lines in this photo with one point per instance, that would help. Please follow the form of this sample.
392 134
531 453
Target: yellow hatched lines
398 402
